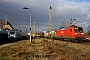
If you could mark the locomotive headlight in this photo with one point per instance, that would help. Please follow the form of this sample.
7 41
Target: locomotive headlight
82 33
76 33
14 36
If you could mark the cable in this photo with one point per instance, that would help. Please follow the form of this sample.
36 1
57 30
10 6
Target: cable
10 15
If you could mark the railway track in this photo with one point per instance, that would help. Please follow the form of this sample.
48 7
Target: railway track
86 43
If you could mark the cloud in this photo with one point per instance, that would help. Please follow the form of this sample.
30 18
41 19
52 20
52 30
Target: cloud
75 10
40 11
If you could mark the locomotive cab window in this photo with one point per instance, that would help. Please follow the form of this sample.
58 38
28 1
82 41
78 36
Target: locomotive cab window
78 29
12 31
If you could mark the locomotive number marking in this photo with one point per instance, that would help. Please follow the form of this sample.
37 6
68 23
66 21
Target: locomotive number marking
62 32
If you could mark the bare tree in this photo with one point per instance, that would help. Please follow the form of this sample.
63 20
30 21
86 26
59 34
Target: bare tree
65 24
88 27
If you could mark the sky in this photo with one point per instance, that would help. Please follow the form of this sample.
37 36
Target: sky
62 10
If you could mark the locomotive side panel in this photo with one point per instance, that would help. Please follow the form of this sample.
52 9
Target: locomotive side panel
66 33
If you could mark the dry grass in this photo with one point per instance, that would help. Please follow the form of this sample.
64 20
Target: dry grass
41 49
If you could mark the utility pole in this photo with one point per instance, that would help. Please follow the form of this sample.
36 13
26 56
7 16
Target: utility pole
30 25
5 26
50 22
6 19
37 31
20 27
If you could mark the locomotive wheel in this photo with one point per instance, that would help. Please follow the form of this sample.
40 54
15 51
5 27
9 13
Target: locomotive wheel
69 40
80 40
74 40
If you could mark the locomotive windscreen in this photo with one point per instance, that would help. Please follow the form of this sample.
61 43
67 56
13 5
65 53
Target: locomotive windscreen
78 29
12 31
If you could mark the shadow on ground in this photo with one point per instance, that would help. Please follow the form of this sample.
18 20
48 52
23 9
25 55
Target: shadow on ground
12 40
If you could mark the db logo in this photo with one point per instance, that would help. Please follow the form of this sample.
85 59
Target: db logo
62 31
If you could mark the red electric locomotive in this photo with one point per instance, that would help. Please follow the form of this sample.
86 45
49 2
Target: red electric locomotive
72 33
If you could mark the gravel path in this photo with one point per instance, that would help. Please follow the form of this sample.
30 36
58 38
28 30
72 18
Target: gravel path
77 46
4 45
